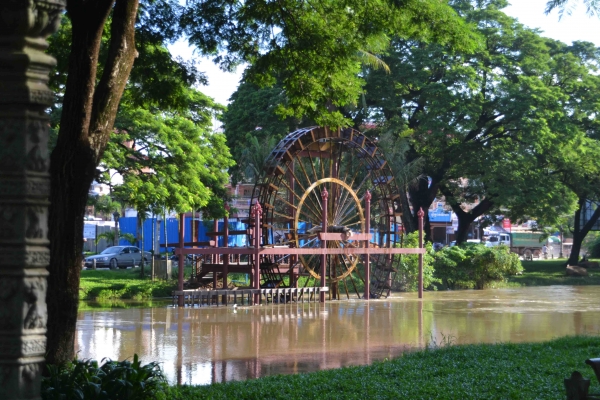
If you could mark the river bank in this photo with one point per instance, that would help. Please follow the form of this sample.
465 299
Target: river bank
110 285
500 371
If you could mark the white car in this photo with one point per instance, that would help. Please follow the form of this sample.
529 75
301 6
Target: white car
118 257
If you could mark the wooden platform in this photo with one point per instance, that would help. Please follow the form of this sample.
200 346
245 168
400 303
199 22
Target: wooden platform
199 297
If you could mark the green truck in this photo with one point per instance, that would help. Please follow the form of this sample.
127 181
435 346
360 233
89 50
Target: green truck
525 244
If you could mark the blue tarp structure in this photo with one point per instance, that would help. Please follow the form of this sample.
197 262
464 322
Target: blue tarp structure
129 225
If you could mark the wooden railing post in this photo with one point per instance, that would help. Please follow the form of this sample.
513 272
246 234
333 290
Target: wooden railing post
420 214
367 295
225 256
257 211
181 261
324 196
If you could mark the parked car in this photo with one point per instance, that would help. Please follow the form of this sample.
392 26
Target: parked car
118 257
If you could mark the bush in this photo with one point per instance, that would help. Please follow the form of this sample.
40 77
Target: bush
112 380
592 244
475 266
408 269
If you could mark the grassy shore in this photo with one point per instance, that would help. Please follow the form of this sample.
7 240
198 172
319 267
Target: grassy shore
501 371
551 272
123 285
112 285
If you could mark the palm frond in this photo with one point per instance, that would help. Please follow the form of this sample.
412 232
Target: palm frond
566 7
372 60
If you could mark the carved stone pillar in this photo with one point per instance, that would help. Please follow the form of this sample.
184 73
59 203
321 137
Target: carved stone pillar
24 190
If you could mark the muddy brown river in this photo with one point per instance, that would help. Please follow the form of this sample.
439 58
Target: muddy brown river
217 344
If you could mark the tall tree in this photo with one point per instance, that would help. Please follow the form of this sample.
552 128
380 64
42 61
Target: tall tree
485 122
168 161
313 44
96 50
577 164
251 116
313 48
88 113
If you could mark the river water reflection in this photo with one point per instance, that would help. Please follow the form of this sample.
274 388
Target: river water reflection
210 344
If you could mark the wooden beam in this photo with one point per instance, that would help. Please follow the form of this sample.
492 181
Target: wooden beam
342 236
187 244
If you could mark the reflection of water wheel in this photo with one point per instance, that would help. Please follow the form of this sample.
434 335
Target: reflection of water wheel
347 164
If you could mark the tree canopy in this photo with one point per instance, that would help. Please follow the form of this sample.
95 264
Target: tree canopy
251 118
168 162
313 48
487 123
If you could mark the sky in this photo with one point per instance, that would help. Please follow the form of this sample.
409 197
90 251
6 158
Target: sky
577 26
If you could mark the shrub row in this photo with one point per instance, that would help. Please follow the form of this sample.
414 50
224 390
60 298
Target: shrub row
474 266
468 266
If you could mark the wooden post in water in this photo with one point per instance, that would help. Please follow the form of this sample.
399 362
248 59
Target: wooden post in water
257 211
225 256
324 196
181 261
216 256
420 214
367 295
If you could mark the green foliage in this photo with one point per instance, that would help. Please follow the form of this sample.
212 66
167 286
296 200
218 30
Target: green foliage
170 162
451 264
475 266
163 144
105 205
251 123
483 371
129 237
521 103
109 236
408 271
592 244
86 380
567 6
313 49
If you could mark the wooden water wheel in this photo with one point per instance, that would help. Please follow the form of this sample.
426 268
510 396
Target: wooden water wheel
346 164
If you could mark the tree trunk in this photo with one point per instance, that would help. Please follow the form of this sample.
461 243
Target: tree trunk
421 196
143 263
407 219
86 124
465 219
580 232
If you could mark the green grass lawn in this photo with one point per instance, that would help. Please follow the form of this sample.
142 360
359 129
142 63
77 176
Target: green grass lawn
501 371
124 284
551 272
